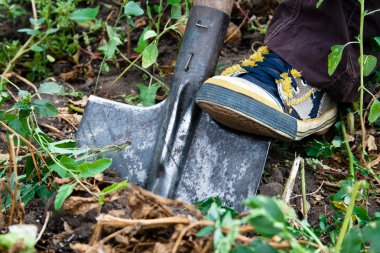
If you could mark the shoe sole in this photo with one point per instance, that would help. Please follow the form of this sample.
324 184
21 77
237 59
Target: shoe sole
243 113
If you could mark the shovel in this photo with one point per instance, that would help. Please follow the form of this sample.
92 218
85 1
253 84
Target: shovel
177 150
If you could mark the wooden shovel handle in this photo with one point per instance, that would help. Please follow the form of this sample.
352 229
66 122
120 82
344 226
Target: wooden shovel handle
222 5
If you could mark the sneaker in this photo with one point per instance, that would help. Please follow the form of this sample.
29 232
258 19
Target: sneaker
265 96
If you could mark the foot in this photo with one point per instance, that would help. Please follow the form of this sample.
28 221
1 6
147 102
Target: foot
265 96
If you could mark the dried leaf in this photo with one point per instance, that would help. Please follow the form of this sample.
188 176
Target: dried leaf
82 103
371 143
318 197
162 248
233 34
350 138
81 248
79 206
4 157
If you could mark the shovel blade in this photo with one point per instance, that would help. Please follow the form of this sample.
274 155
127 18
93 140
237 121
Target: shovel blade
107 122
222 163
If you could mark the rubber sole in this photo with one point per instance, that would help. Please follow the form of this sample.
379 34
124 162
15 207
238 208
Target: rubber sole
242 113
237 121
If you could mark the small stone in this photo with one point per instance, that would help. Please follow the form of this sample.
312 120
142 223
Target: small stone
272 189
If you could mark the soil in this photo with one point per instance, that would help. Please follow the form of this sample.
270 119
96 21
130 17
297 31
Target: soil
69 231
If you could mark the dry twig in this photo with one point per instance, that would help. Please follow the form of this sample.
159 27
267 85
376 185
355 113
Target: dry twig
291 180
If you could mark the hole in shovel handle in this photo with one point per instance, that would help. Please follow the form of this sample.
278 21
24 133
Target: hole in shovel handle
199 24
188 62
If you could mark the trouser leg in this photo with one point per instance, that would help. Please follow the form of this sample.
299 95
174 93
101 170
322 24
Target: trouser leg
303 36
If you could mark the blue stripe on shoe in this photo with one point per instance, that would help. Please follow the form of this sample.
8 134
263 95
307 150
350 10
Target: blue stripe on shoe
261 113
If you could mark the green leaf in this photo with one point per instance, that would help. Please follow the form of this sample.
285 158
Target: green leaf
261 246
374 111
36 48
141 43
334 58
377 39
242 249
68 163
22 93
371 233
158 8
44 108
29 31
20 238
50 58
353 241
149 34
337 142
148 94
37 22
63 193
205 204
133 9
51 30
173 2
109 47
20 126
369 64
91 169
205 231
361 214
319 3
51 88
44 194
150 55
266 216
176 12
149 12
115 187
84 15
27 193
67 147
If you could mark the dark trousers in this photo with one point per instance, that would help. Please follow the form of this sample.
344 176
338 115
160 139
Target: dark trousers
303 35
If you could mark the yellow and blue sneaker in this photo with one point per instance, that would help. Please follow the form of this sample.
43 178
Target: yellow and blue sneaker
265 96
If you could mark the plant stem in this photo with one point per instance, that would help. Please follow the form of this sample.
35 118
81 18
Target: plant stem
19 53
124 71
56 161
361 62
372 12
142 69
303 189
104 58
305 226
347 218
349 153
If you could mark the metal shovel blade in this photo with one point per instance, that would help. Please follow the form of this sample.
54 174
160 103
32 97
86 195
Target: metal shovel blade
177 151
